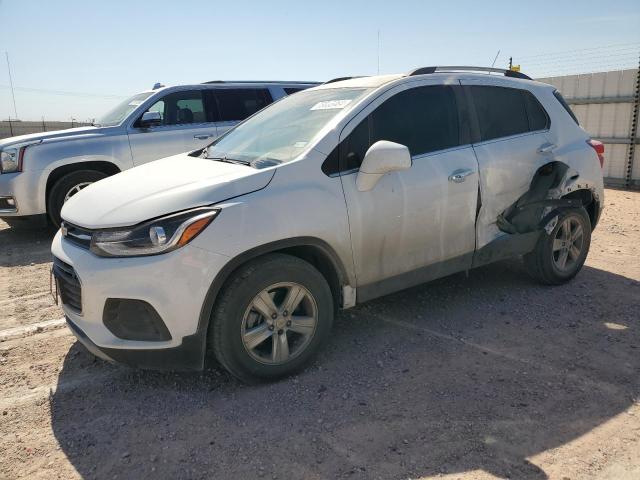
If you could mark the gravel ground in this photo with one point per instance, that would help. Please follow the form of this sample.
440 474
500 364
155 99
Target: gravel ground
485 376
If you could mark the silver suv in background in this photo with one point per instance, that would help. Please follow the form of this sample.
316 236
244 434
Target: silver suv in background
39 172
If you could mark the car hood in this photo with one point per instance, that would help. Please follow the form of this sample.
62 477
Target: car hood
55 134
162 187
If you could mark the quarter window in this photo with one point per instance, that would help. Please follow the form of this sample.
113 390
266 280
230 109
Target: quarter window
238 104
538 118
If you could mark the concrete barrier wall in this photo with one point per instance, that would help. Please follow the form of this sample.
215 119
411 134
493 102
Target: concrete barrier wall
606 105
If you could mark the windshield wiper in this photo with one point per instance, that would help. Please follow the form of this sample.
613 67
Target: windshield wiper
230 160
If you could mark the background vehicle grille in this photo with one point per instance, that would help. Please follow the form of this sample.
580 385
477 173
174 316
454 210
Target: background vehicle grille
77 235
68 284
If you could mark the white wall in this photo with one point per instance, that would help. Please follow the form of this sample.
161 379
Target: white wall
607 117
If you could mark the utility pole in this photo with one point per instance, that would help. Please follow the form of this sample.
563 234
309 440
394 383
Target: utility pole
13 95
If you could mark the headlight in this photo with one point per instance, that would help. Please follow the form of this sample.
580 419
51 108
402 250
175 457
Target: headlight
9 160
153 237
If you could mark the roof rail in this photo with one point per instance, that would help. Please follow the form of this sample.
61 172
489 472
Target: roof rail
263 81
340 79
506 73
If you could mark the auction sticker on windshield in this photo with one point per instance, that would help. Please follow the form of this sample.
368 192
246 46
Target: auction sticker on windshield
331 104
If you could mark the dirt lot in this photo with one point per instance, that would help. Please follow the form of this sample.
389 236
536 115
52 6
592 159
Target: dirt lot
479 377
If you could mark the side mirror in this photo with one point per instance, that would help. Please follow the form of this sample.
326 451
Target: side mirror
150 119
381 158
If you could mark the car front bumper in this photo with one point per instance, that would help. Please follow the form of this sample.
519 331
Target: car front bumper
175 284
24 189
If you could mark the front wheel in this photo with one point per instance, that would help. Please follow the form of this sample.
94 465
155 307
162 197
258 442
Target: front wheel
271 318
558 257
66 187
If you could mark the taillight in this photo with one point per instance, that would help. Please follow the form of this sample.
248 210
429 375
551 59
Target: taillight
599 148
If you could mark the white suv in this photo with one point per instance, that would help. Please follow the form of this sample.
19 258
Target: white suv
328 198
39 172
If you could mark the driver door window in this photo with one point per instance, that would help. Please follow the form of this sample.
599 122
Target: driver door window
181 108
187 123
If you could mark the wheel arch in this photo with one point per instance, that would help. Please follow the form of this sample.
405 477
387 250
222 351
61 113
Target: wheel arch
313 250
589 202
108 168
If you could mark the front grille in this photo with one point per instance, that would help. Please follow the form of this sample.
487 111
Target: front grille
68 284
77 235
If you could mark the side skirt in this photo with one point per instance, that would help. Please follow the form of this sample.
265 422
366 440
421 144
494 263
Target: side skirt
414 277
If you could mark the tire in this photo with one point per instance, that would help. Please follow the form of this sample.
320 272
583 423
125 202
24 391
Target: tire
544 263
65 186
236 323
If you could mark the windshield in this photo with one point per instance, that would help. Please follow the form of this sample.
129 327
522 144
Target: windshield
122 110
282 131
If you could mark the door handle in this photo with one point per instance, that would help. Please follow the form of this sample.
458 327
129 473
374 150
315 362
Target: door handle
546 148
460 175
203 136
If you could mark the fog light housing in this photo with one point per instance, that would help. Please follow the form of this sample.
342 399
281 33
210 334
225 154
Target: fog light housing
8 204
131 319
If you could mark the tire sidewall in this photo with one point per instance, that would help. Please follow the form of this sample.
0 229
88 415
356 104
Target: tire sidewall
63 185
237 300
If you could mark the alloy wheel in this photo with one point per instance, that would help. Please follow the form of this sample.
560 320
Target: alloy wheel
75 189
568 244
279 323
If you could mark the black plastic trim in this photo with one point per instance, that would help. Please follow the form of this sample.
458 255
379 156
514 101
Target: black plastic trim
189 355
414 277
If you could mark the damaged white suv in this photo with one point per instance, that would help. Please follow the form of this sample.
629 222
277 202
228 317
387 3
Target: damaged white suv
328 198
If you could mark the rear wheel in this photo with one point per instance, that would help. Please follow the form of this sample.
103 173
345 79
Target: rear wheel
558 257
66 187
271 318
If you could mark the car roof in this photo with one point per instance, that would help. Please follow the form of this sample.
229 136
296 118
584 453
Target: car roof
456 73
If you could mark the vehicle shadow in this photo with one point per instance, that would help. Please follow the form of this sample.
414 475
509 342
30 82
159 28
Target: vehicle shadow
453 376
22 245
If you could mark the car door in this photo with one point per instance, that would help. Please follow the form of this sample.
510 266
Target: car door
511 143
417 224
235 104
187 124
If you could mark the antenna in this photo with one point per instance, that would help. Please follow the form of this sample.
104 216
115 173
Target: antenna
378 51
13 95
494 60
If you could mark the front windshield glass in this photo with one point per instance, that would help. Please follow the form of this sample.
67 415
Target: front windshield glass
282 131
122 110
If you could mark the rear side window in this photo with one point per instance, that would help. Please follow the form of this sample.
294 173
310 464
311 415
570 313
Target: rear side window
501 111
566 106
538 118
425 119
238 104
292 90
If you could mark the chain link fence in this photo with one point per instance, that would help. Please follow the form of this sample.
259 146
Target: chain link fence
12 128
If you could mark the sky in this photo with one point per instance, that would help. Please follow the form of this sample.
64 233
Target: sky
77 59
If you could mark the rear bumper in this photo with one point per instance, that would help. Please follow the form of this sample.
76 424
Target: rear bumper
189 355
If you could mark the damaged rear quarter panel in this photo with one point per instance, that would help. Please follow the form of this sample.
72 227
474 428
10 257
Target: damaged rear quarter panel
508 167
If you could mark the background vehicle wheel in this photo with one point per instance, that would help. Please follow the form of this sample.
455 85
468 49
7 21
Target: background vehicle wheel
559 257
67 187
271 318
